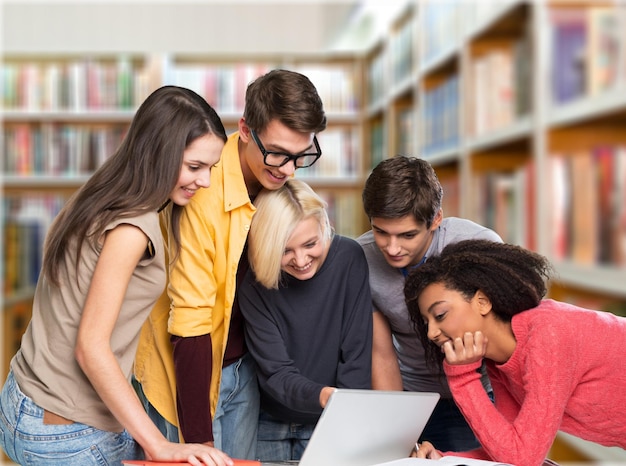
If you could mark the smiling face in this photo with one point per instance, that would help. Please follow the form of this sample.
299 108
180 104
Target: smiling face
275 137
403 241
305 251
449 314
195 173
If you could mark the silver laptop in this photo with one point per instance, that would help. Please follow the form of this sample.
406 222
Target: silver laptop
367 427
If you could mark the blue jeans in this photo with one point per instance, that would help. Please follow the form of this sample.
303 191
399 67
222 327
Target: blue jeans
281 441
236 417
447 428
169 430
27 440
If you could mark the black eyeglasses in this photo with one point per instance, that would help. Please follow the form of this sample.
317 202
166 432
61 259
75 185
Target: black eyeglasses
278 159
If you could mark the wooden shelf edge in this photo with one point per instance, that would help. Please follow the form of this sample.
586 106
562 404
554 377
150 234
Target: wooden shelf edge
603 279
594 451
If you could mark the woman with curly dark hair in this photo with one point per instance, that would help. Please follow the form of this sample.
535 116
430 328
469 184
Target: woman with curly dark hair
553 366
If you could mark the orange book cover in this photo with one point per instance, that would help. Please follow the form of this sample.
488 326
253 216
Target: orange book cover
174 463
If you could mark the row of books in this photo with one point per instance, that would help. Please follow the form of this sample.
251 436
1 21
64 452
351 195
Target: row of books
500 87
398 56
58 149
71 150
26 221
442 27
406 131
344 211
585 53
402 51
376 82
336 84
446 24
503 201
340 154
74 85
587 46
224 85
377 142
589 206
440 117
91 84
451 201
500 82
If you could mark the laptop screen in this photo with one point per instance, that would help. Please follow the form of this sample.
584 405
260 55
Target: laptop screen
367 427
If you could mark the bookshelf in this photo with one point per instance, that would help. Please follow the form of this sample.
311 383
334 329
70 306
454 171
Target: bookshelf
503 143
64 114
521 108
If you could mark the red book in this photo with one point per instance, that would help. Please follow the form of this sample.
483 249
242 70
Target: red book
174 463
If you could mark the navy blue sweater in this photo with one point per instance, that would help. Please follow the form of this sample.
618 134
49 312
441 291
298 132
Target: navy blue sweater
312 333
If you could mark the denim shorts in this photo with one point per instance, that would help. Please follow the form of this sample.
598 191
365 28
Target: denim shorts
27 440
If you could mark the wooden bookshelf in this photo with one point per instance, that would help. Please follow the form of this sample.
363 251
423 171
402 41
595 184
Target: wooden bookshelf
502 150
521 109
64 114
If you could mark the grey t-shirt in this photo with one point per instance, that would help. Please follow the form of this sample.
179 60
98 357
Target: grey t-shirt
387 285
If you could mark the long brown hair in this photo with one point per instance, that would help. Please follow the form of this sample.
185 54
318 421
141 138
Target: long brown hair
139 176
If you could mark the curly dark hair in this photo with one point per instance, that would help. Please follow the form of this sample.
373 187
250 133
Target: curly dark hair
513 278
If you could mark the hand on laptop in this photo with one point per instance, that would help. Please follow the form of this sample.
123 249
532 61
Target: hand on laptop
426 450
325 395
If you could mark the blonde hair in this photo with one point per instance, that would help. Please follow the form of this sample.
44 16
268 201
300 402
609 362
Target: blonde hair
278 213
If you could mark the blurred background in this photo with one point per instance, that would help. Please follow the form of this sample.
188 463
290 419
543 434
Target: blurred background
520 107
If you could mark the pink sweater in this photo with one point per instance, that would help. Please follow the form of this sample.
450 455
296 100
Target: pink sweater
568 372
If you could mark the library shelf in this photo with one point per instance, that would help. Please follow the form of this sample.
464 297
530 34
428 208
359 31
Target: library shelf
492 93
520 107
64 114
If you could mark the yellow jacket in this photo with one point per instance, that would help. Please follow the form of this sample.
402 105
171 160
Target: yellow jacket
214 227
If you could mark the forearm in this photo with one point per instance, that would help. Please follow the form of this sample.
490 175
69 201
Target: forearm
386 373
385 367
104 373
518 439
193 366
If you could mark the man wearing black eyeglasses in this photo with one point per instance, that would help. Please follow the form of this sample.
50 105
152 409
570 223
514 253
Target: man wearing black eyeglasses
193 368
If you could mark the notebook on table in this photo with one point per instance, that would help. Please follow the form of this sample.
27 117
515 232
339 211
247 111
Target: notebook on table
367 427
446 460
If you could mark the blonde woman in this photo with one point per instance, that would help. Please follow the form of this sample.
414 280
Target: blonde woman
307 306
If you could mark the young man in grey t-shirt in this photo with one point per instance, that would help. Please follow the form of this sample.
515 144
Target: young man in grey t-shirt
402 199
